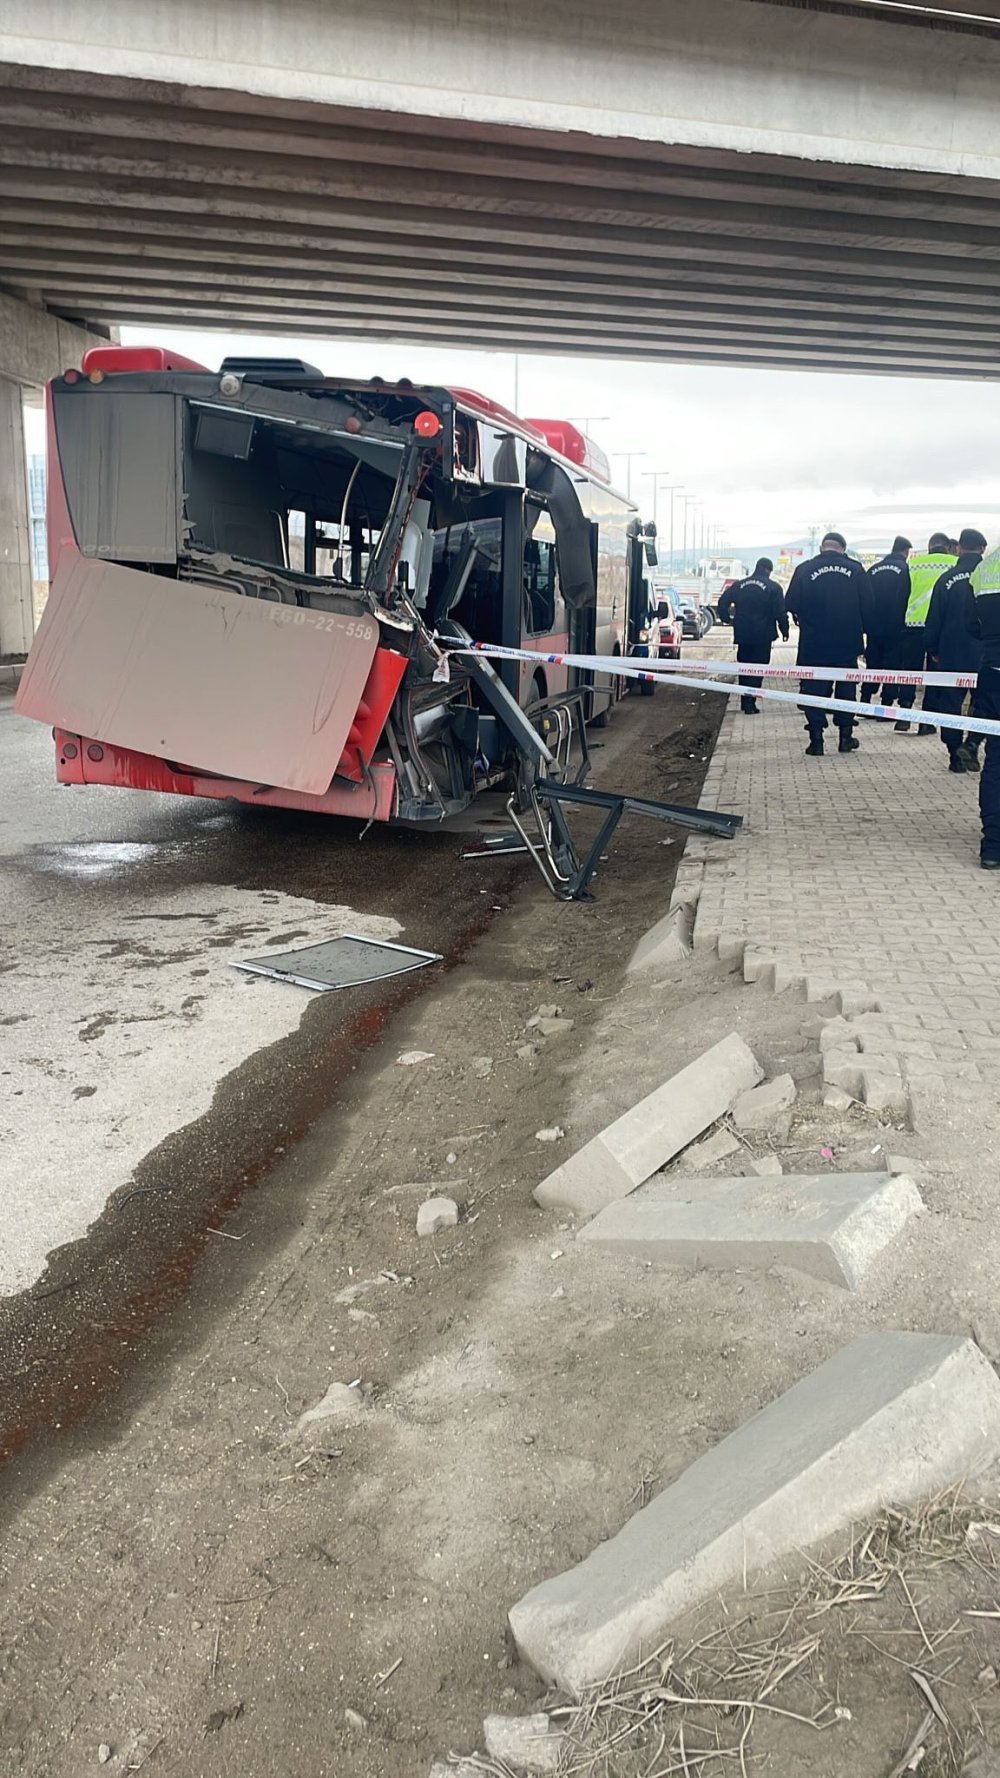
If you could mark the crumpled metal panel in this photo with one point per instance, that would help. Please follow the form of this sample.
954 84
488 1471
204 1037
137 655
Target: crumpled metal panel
345 962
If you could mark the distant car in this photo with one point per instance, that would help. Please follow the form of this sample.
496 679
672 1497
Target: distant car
695 620
670 628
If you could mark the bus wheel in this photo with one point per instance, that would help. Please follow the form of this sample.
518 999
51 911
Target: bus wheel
535 692
647 687
604 716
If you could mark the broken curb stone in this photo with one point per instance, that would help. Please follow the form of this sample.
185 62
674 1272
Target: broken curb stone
892 1417
436 1214
763 1106
528 1744
831 1225
835 1099
717 1147
669 941
340 1403
767 1166
646 1137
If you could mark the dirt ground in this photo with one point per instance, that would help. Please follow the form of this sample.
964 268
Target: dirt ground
187 1583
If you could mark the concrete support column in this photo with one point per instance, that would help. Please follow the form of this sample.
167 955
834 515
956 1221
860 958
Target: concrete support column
34 346
17 623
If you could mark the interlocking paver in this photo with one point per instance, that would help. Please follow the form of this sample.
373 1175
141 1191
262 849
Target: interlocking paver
859 874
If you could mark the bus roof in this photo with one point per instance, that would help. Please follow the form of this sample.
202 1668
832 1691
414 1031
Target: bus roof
560 436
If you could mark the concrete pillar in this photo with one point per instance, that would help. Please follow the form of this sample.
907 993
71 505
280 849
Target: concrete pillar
17 624
34 346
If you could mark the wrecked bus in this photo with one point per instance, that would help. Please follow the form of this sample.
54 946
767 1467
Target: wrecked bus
258 574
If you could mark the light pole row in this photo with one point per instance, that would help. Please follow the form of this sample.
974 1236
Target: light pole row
696 532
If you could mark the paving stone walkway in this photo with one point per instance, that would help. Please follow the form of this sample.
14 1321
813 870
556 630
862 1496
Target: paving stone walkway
856 875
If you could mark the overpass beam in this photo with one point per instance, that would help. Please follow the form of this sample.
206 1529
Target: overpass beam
34 346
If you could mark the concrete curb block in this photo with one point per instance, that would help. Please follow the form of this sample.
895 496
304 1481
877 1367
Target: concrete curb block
645 1138
831 1225
669 941
893 1417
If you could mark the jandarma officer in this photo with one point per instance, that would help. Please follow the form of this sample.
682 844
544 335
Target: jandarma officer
830 599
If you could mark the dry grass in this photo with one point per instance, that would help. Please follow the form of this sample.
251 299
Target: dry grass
692 1708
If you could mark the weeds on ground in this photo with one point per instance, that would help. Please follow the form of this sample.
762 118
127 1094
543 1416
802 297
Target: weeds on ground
693 1708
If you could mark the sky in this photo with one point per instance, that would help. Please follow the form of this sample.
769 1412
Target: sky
770 455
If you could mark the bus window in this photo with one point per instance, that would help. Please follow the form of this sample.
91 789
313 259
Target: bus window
541 572
477 582
539 587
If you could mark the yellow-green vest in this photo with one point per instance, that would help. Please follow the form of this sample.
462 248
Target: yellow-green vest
986 578
925 571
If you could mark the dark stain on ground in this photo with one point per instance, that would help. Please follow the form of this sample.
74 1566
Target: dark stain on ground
70 1340
105 1301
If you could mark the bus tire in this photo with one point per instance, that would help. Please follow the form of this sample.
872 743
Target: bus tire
646 688
535 692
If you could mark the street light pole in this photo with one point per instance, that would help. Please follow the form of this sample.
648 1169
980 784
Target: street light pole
675 488
655 476
689 501
628 455
586 421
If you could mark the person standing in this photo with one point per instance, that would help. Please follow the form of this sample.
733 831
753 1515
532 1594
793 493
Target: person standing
830 599
983 614
890 584
924 571
759 615
951 648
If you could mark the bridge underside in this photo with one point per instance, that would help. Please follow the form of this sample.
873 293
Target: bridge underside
127 202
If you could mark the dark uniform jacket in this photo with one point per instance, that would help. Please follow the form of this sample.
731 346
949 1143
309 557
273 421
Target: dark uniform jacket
890 584
948 636
830 598
760 614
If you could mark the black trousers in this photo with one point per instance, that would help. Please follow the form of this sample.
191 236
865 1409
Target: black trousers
751 651
825 688
912 654
881 653
949 699
986 703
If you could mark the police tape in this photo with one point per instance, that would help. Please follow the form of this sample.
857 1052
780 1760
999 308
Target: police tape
652 669
622 667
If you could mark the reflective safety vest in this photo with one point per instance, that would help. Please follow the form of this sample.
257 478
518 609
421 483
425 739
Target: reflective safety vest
986 578
924 573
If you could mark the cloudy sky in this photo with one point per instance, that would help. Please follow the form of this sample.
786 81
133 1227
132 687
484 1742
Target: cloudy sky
770 454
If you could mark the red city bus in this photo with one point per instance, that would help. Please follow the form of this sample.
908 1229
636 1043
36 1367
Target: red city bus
183 649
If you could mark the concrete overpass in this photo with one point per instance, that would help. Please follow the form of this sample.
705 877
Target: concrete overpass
741 181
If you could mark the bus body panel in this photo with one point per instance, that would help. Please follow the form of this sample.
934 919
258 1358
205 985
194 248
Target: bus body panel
237 686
